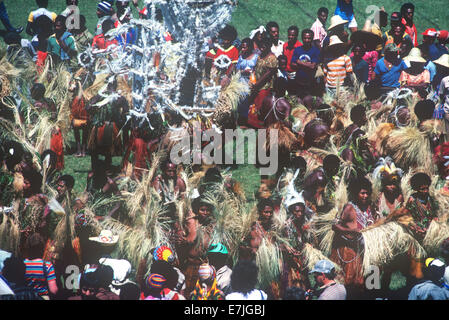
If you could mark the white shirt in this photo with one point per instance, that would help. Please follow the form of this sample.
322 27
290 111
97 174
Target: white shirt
253 295
277 50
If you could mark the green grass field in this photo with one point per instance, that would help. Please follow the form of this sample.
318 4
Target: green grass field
248 15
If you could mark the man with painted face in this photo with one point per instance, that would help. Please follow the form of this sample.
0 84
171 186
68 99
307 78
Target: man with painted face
347 247
422 206
168 184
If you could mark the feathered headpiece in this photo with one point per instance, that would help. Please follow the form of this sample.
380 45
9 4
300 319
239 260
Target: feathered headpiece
386 170
441 158
293 196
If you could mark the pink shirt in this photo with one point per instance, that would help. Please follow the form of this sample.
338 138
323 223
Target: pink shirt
371 57
319 32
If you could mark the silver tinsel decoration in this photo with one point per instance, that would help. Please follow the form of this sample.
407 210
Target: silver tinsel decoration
177 82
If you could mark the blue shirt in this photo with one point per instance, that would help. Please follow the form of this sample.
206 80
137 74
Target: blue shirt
344 10
432 69
311 55
361 70
389 78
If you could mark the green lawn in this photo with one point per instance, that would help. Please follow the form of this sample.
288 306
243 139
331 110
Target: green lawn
250 14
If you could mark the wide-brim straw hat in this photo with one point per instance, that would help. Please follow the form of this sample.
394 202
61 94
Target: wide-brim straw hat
337 21
367 37
335 45
106 238
443 60
415 56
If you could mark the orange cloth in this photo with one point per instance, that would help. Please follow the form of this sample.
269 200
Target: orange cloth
57 146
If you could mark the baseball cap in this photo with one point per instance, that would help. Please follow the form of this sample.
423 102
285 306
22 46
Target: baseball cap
430 32
443 34
323 266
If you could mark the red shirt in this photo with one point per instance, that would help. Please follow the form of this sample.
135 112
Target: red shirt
232 52
100 42
289 54
411 31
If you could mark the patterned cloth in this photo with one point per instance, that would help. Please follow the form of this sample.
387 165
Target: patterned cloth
334 291
37 275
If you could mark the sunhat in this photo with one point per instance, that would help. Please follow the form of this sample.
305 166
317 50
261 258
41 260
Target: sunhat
336 21
415 56
443 60
367 37
106 237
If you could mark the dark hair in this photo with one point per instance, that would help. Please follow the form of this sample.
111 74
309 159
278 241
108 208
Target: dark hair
68 180
129 291
331 163
424 109
217 259
14 159
315 179
89 280
407 6
107 25
228 33
382 18
244 276
35 245
264 202
249 42
42 3
282 56
199 202
307 31
165 269
213 175
372 91
294 28
14 270
357 112
272 24
62 19
298 162
420 179
37 91
294 293
67 2
357 184
104 275
322 9
35 179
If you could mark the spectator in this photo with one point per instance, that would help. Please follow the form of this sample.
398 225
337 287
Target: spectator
319 27
105 275
431 287
397 33
305 60
217 256
416 76
277 46
435 51
83 37
381 21
407 13
69 10
5 19
88 287
206 286
388 69
337 28
345 10
14 272
101 42
289 48
42 4
360 66
62 45
104 12
339 68
244 281
130 291
324 274
294 293
39 274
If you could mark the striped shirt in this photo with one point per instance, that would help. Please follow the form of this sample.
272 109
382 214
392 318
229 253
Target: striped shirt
37 277
337 70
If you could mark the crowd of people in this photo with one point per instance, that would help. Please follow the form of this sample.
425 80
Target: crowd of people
362 120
